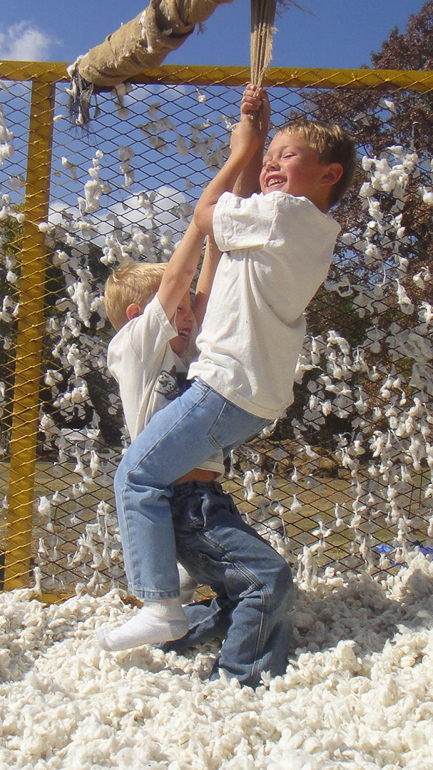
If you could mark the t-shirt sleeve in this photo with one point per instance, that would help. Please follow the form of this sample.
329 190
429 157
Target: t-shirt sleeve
243 223
151 331
271 220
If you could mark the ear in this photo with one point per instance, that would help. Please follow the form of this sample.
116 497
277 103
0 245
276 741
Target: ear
133 311
332 174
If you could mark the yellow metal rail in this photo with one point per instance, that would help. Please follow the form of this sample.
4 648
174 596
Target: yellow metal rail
296 77
29 340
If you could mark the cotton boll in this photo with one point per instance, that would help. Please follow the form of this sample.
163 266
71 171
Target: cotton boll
126 154
389 104
367 163
426 314
361 405
269 486
71 167
6 139
295 506
405 303
181 146
44 506
322 532
427 196
366 190
248 481
94 463
16 182
158 143
338 513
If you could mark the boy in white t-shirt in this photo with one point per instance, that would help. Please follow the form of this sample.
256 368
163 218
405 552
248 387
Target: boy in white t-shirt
149 357
277 246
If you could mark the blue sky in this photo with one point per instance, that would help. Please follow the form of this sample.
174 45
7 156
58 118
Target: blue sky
336 33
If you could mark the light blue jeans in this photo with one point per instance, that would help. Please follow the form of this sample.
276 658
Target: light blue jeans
253 585
177 439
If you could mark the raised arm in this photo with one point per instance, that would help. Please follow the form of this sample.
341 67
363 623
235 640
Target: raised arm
180 270
247 140
204 284
257 107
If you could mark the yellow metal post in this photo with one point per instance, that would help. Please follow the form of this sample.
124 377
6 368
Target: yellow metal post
29 340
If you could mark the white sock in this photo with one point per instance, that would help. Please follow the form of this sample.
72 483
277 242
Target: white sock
187 585
155 622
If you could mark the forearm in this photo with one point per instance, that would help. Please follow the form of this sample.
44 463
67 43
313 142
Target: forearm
255 108
242 170
181 269
248 181
204 284
224 181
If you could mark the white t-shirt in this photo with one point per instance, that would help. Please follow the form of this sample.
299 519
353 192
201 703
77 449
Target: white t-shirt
277 251
148 372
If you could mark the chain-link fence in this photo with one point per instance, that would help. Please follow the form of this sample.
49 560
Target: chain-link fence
345 479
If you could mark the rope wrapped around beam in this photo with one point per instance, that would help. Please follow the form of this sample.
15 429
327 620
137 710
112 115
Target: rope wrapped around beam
141 44
144 42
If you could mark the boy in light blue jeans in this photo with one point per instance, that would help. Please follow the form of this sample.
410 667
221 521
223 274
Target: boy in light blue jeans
277 246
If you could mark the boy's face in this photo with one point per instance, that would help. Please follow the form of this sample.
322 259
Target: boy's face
184 321
292 166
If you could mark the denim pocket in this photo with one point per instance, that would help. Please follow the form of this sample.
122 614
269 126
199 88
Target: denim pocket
189 515
233 426
218 433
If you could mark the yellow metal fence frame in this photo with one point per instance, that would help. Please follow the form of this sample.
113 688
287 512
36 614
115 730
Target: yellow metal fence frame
44 76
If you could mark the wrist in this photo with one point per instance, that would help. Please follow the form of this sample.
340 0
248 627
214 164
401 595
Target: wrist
239 158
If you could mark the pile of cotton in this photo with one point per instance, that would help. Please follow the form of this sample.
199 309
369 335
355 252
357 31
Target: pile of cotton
357 693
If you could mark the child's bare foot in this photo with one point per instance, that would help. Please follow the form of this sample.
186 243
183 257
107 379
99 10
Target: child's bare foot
155 622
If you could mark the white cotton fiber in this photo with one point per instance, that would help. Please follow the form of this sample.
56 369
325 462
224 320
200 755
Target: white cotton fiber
357 694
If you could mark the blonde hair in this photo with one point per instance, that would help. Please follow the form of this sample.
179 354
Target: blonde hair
131 283
332 144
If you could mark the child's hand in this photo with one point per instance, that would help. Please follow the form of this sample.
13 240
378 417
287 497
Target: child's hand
255 105
252 99
250 134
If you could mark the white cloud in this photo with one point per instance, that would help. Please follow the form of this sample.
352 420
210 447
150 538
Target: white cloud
24 42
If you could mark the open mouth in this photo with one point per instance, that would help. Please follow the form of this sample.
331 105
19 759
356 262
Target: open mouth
275 181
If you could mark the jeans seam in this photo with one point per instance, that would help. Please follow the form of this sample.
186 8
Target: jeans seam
261 636
223 551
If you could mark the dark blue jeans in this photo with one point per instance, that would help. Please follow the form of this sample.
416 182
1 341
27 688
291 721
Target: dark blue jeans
253 584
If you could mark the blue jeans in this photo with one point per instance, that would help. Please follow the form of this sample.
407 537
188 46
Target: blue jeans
252 582
177 439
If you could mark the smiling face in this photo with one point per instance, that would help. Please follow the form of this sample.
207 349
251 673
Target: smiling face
184 321
290 165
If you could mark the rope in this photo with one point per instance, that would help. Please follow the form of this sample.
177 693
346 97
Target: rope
262 29
262 23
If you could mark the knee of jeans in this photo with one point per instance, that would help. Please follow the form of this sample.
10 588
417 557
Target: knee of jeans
119 476
124 469
283 590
